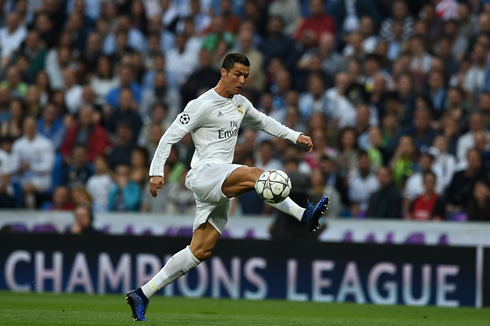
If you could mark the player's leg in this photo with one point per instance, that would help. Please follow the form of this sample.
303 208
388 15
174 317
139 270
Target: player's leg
203 241
243 180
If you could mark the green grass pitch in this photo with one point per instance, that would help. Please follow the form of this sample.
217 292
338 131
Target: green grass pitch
81 309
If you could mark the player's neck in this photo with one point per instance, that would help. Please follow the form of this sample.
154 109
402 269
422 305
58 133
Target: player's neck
221 90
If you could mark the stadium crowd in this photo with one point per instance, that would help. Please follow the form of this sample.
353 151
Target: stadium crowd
395 95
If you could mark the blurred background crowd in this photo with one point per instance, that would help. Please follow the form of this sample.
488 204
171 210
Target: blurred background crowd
395 95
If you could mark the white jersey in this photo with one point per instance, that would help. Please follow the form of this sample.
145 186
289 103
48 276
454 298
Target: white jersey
213 122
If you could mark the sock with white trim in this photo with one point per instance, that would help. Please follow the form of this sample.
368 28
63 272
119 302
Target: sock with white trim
178 265
288 206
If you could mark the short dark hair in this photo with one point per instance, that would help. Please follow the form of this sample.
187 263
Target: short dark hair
232 58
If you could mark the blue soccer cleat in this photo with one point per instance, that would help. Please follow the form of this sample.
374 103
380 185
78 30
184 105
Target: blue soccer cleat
313 213
138 304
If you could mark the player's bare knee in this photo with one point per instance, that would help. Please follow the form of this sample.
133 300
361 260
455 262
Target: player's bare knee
202 254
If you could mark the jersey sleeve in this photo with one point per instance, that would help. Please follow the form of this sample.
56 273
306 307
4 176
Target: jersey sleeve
259 120
191 118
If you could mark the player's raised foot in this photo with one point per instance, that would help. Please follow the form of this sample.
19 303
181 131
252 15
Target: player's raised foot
313 213
138 303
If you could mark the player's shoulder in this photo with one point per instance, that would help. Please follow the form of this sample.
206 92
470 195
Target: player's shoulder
243 101
200 102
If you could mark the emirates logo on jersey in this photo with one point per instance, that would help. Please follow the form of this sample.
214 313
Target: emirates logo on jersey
184 119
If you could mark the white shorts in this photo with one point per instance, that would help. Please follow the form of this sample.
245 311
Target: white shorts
211 203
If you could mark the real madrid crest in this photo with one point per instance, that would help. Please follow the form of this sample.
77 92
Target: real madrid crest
240 110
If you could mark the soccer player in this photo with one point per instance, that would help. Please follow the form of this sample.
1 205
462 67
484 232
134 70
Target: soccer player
213 119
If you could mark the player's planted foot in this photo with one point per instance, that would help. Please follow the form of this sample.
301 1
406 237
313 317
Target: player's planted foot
313 213
138 303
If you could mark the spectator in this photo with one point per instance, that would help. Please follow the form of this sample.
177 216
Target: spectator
256 80
421 60
61 200
17 88
339 107
181 61
414 186
421 131
35 53
139 166
310 29
43 87
479 209
362 184
386 202
363 123
403 161
181 200
218 32
266 158
123 146
444 164
138 16
32 162
313 100
160 94
57 60
457 107
349 15
157 65
126 112
135 38
80 196
12 127
125 81
159 117
125 196
460 190
293 119
73 91
437 91
155 133
425 206
204 78
348 152
78 170
47 32
88 134
83 221
399 13
103 81
6 190
467 140
100 184
11 37
33 102
231 21
378 155
289 11
51 125
277 45
474 80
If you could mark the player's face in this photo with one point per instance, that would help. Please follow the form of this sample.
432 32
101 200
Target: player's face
236 78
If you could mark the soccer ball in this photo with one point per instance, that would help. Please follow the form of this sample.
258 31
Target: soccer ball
273 186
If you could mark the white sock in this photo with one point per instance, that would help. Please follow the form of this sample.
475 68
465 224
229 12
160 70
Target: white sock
288 206
178 265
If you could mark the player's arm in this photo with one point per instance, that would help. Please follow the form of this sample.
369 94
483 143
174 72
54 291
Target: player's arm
186 121
259 120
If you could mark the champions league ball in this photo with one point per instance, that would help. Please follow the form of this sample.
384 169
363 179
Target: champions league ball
273 186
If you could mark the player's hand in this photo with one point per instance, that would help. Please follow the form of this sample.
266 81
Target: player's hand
155 184
302 139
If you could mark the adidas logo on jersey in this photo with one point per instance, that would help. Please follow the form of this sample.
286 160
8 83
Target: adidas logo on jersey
220 114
